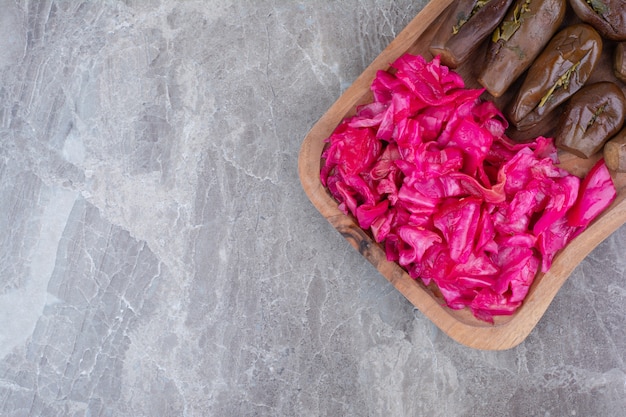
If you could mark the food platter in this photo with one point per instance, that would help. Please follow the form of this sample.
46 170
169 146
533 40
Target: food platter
506 331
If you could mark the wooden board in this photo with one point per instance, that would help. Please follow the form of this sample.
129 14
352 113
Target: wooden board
460 325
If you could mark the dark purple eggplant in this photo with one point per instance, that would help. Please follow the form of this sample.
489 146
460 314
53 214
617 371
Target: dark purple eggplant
526 29
608 17
593 115
465 27
615 152
561 69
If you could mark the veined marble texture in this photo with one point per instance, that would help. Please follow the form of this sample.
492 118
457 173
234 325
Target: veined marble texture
158 256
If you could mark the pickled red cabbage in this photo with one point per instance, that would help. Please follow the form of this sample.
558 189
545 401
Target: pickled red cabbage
427 168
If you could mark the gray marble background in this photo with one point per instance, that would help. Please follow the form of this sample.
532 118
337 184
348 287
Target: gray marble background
158 256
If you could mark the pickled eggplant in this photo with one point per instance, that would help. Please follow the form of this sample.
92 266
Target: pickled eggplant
619 61
615 152
561 69
608 17
466 26
526 29
593 115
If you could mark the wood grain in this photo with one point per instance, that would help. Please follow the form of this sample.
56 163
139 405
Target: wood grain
460 325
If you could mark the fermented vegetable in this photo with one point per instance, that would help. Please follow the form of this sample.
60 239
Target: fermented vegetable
597 192
559 71
592 116
466 26
615 152
427 169
608 17
515 43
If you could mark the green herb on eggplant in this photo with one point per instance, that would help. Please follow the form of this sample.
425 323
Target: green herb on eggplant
561 82
508 27
463 19
598 6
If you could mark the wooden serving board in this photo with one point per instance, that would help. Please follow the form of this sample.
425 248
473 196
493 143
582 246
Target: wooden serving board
460 325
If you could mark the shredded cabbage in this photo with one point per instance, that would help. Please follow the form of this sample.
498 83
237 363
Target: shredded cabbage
427 168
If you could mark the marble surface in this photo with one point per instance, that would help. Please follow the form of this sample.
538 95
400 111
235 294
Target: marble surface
158 256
